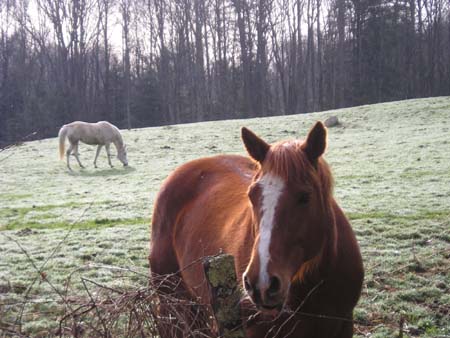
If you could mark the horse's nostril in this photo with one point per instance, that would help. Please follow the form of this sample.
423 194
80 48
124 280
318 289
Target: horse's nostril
247 284
274 286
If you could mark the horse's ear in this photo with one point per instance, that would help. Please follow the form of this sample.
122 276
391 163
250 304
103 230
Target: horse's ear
256 147
316 142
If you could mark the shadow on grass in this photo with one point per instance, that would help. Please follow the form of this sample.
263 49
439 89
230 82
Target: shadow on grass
102 172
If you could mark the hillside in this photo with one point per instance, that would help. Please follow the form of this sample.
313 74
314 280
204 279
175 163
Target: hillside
391 164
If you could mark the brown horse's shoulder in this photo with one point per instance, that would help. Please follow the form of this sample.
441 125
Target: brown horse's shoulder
199 206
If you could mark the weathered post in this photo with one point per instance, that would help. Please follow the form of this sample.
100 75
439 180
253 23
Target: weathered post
226 295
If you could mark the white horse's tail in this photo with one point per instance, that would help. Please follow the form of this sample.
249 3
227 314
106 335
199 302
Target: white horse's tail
62 140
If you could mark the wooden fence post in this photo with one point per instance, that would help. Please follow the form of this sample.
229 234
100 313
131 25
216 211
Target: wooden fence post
226 295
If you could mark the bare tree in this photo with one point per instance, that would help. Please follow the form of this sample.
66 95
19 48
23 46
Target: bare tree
125 10
182 60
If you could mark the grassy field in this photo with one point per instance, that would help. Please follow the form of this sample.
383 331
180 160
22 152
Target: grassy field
391 164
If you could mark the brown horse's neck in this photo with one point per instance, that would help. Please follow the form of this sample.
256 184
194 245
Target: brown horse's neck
329 253
328 225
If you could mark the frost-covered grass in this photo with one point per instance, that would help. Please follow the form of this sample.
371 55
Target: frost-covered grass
391 164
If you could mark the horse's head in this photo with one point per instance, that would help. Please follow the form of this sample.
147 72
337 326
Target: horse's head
122 155
290 196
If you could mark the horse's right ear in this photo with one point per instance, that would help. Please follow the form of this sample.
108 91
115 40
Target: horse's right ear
256 147
316 142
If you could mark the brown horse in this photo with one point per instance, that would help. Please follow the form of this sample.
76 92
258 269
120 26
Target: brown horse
294 249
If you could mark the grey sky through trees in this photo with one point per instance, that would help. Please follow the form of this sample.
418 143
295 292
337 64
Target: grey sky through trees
192 60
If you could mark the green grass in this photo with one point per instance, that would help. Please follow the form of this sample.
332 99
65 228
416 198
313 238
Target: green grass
420 214
391 164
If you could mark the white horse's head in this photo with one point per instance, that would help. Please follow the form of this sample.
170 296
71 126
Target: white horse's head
122 155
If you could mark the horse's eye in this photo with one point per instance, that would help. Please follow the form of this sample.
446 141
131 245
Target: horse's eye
303 198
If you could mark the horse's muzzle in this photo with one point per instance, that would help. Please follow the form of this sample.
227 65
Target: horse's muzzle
267 297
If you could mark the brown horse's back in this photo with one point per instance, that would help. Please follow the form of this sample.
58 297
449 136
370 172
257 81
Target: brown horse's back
199 212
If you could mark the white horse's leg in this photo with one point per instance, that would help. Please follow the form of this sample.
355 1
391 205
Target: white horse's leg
109 154
96 154
68 152
75 153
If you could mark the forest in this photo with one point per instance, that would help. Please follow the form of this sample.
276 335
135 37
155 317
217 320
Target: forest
140 63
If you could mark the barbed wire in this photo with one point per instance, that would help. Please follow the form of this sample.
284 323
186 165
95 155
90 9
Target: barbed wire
107 311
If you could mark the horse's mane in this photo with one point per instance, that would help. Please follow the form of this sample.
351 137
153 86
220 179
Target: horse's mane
118 137
287 160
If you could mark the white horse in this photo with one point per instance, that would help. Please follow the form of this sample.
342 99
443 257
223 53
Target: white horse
101 133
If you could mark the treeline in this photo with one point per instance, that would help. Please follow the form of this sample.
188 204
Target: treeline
176 61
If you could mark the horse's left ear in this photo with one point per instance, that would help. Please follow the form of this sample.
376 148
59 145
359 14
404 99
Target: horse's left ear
316 142
256 147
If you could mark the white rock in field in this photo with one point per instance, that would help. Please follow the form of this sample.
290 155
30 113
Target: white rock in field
331 121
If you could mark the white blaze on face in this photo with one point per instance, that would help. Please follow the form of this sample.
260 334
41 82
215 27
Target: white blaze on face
271 187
